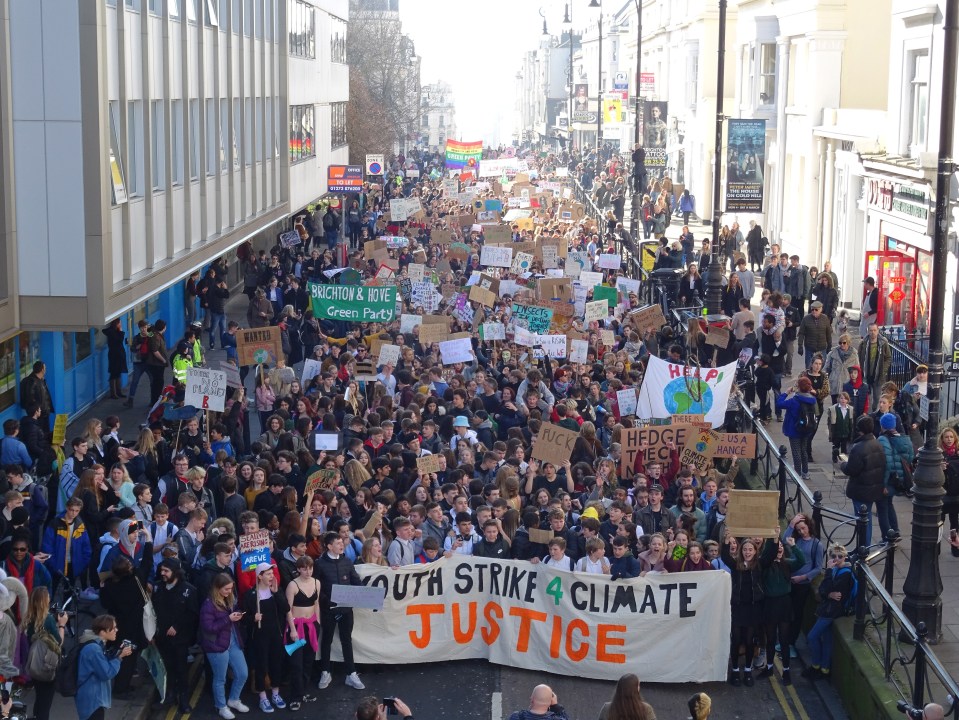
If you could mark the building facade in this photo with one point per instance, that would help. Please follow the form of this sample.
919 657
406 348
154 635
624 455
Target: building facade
140 140
437 116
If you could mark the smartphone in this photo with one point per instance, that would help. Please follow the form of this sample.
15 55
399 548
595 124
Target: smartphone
390 705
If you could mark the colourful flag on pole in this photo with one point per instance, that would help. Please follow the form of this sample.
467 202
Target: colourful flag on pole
463 154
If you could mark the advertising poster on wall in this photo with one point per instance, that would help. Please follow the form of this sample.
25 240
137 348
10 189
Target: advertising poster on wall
654 133
581 113
745 165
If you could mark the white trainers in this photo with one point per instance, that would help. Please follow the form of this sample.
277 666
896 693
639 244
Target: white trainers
224 712
325 680
238 706
353 680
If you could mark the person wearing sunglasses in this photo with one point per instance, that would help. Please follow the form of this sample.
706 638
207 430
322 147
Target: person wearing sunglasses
22 564
835 597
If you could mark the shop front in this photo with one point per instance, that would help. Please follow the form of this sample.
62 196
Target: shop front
899 250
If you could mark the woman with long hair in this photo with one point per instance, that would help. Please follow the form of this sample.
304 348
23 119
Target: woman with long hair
356 475
653 560
949 444
122 597
747 607
783 558
372 553
92 433
801 529
221 642
587 447
732 294
257 485
40 625
146 448
266 613
627 702
820 390
690 285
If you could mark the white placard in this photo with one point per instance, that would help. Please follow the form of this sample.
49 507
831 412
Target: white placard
522 336
402 208
205 389
424 295
589 279
553 345
627 285
626 399
311 368
578 350
456 351
408 322
523 262
389 355
579 299
576 262
596 310
416 272
509 287
496 256
494 331
550 256
610 262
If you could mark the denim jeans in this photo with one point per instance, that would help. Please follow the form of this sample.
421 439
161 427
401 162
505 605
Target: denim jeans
217 326
886 514
232 658
139 369
819 641
856 505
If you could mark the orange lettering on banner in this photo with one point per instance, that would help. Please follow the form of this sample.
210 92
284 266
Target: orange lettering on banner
556 637
424 611
579 653
492 632
459 635
526 617
603 641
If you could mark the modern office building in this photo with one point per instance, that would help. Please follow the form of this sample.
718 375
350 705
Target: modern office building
139 140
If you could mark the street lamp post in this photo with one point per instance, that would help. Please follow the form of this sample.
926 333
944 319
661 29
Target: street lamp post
714 275
923 584
637 203
598 4
568 24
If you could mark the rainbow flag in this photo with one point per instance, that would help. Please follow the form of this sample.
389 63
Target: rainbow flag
463 154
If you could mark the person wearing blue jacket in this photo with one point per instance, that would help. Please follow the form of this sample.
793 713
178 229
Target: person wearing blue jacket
623 565
96 668
897 448
67 531
797 425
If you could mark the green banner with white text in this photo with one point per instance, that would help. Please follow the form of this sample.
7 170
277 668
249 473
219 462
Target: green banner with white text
353 303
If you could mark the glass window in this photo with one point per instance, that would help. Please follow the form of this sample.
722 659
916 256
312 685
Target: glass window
224 132
258 17
919 101
211 140
211 16
173 8
153 6
767 74
302 30
29 343
157 147
301 133
135 148
337 40
237 118
248 17
268 122
247 131
133 5
118 182
191 10
338 125
8 376
692 76
153 305
236 15
68 343
111 3
84 345
258 141
269 21
194 139
176 141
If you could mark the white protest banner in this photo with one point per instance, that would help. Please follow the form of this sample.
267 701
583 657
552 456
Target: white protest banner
550 253
456 351
627 285
357 596
205 389
522 336
609 262
522 262
232 373
417 271
496 168
494 331
408 322
553 345
576 262
596 310
311 368
589 279
579 299
389 355
672 389
424 295
402 208
509 287
450 187
578 350
541 618
626 399
496 256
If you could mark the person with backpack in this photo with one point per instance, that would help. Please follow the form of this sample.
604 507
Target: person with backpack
801 418
837 593
866 469
46 631
93 667
899 455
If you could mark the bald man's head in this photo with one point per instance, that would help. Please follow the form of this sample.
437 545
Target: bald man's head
933 711
542 697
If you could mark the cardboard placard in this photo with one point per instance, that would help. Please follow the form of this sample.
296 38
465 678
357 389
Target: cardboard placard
554 289
717 337
60 429
254 549
408 322
458 350
541 537
482 296
607 337
428 464
649 316
753 513
326 479
493 331
687 419
496 256
433 332
389 355
596 310
626 401
258 346
554 444
232 373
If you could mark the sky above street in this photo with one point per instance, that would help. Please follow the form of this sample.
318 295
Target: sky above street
477 48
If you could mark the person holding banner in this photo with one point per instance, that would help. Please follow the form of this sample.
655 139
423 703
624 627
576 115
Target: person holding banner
265 613
746 606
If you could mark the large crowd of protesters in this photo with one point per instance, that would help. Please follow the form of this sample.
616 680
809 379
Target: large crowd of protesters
130 514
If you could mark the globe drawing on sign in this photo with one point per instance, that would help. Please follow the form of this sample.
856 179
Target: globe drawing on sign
261 356
688 396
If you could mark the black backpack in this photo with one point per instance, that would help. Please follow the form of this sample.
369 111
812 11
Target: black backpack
66 680
806 424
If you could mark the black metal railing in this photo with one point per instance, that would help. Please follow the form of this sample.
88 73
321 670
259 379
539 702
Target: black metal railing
907 660
910 350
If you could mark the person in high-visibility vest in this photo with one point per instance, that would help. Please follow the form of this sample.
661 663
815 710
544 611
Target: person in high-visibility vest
192 336
182 361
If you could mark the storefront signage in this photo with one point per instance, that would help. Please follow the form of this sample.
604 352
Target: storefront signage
898 199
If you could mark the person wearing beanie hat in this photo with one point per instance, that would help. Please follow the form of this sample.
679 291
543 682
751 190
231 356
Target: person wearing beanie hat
800 421
177 605
899 455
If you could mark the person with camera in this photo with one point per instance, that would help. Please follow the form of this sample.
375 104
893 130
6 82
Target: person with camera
96 668
834 596
931 711
177 606
543 705
372 708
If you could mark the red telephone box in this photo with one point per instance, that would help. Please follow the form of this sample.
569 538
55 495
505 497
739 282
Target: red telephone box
895 275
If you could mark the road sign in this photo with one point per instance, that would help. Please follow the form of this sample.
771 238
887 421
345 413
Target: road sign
375 164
